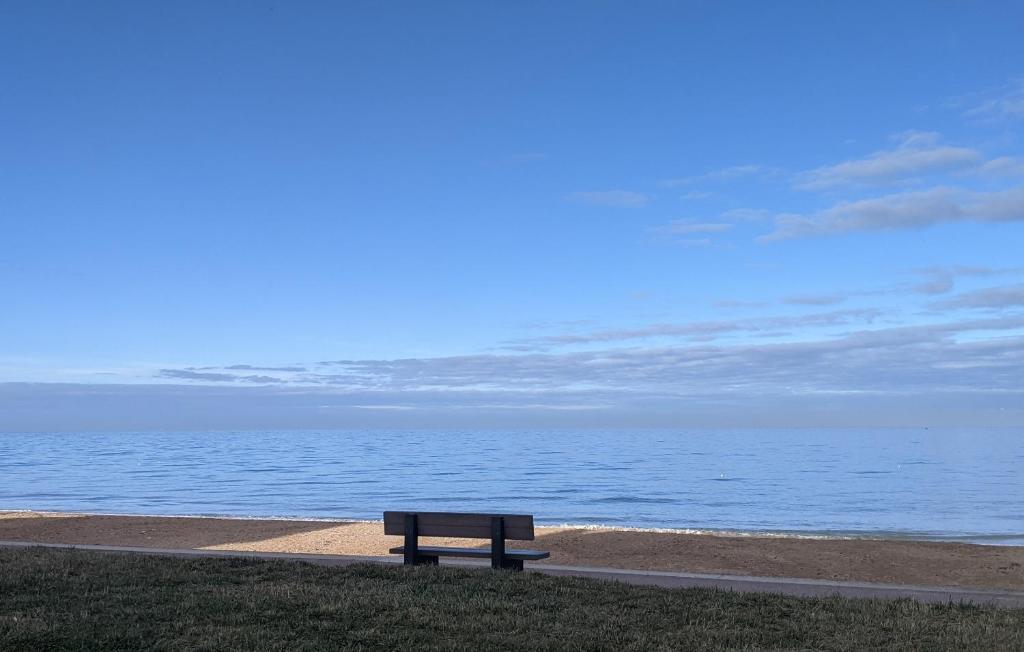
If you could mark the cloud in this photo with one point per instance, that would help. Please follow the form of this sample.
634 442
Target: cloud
696 194
912 375
1003 166
694 242
623 198
907 210
747 215
248 367
683 227
940 280
559 323
735 303
935 281
814 299
927 358
1007 296
189 374
705 330
916 154
723 174
185 374
1006 103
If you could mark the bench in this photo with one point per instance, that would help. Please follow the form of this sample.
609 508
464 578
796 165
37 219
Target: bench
496 527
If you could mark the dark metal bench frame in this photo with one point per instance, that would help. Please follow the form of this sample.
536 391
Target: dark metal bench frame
415 555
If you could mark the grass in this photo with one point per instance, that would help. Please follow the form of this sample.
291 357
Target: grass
62 600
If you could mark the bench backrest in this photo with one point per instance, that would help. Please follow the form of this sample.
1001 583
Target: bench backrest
518 527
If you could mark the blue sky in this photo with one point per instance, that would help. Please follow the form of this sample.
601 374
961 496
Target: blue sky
501 214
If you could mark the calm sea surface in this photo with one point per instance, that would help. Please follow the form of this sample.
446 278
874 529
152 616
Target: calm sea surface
927 484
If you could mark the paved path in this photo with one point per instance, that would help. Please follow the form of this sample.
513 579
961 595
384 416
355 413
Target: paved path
784 585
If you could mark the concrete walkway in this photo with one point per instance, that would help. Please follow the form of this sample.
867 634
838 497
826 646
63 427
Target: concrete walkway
672 580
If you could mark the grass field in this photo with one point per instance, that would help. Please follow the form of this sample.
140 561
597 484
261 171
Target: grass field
56 599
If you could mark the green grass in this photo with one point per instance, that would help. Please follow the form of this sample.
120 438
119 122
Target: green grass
58 599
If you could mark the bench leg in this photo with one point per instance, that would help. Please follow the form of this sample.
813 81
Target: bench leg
412 534
498 542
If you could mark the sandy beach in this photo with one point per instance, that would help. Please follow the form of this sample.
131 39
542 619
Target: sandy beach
896 561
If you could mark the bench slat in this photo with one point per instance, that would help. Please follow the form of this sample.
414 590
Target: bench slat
518 527
482 553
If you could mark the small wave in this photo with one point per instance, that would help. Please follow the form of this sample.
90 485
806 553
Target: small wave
634 499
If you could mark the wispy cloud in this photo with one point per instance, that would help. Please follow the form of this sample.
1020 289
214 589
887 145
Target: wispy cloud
1006 103
247 367
909 210
917 153
623 198
1007 296
932 364
677 232
696 194
691 243
722 174
185 374
940 280
738 303
931 281
206 376
1003 166
747 215
680 227
705 330
916 358
815 299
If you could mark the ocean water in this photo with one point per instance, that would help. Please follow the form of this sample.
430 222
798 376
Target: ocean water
947 484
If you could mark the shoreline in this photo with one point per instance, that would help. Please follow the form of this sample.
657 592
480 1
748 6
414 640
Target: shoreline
1010 540
898 561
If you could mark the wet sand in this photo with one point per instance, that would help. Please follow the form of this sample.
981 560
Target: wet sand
869 560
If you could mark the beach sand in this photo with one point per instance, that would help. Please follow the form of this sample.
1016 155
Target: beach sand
868 560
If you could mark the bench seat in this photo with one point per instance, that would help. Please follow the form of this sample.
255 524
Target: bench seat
482 553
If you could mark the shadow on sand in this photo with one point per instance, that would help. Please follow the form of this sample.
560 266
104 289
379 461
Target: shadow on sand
150 531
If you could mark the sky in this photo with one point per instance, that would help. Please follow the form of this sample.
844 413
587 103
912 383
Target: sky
496 214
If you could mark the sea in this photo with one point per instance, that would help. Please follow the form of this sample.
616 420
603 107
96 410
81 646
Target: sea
928 484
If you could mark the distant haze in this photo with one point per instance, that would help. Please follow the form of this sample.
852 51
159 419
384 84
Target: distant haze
54 407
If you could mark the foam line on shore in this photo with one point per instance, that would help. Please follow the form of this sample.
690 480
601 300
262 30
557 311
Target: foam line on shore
983 539
704 532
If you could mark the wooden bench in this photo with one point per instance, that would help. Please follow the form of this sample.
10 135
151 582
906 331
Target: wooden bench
496 527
